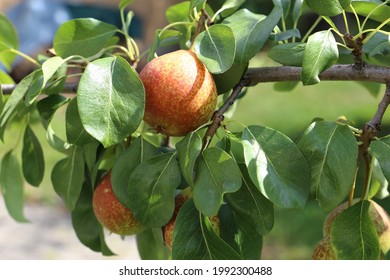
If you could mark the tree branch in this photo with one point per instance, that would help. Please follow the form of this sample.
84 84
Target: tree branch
68 88
254 76
218 115
371 130
339 72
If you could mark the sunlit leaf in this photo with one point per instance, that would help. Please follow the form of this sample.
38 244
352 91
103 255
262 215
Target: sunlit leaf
251 31
111 100
82 36
216 48
320 53
276 166
328 7
8 40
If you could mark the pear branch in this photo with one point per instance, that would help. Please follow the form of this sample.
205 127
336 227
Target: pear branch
218 115
370 131
254 76
339 72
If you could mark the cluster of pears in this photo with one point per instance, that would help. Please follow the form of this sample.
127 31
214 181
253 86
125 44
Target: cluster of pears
180 96
380 218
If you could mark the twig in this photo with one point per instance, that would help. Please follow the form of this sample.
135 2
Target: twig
370 131
219 114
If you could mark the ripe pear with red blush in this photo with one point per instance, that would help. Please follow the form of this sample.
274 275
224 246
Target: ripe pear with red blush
111 213
180 93
324 250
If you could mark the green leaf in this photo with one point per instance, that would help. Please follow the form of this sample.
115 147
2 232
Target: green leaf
124 3
251 243
150 245
196 3
188 151
320 53
8 40
285 86
87 228
285 35
17 96
216 48
5 79
1 100
33 91
75 132
178 12
328 7
331 151
297 10
284 4
139 151
251 31
82 36
48 106
68 176
276 166
373 88
353 234
377 11
217 173
195 239
229 7
151 190
248 203
379 187
11 183
227 80
55 141
379 44
111 100
238 231
50 67
33 163
380 149
290 54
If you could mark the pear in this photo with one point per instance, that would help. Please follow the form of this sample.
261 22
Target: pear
180 93
324 250
111 213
